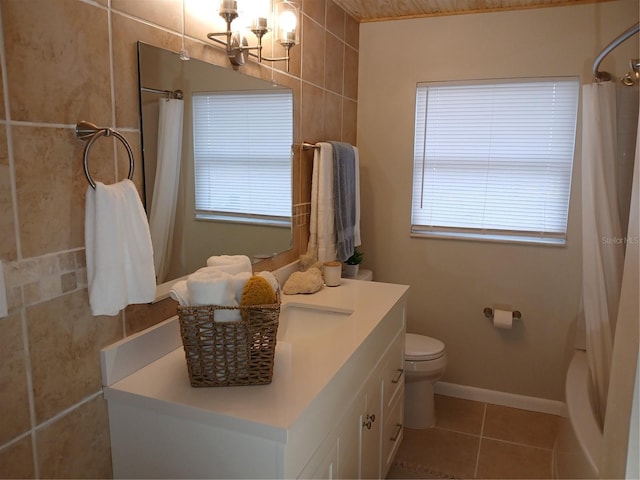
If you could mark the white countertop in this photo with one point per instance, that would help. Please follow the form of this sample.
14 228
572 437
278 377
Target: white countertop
301 369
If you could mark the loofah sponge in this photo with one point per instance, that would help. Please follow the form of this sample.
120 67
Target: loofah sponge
257 291
303 282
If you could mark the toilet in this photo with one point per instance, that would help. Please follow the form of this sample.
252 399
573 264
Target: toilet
425 361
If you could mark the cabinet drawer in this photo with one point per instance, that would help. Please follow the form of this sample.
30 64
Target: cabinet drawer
392 433
393 371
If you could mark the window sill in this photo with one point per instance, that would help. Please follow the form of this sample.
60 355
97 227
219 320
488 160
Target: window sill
492 238
246 220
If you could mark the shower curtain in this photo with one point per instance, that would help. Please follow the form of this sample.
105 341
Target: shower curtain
165 189
602 241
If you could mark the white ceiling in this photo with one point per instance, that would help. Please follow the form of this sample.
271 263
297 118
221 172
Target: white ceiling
377 10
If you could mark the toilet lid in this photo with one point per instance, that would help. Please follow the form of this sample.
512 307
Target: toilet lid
419 347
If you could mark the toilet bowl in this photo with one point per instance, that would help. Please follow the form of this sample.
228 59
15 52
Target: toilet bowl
425 361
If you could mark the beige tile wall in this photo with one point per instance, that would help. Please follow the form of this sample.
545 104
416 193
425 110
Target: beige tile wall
69 60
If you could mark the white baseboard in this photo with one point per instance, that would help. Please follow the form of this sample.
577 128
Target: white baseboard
534 404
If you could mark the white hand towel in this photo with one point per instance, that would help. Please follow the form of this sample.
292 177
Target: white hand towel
230 263
118 248
3 295
180 293
209 286
240 280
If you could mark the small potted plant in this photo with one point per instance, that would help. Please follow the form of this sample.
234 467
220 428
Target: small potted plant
352 265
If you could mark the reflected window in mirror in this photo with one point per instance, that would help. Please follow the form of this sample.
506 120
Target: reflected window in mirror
242 153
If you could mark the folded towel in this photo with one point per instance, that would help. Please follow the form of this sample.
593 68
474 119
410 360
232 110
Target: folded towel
209 286
180 293
231 263
118 248
345 192
3 295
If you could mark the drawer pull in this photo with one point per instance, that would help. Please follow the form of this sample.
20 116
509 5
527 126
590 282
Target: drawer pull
397 379
369 421
397 432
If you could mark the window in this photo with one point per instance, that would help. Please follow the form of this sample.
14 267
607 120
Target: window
242 156
493 160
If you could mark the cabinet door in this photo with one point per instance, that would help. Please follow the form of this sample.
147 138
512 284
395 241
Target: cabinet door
349 440
323 463
370 428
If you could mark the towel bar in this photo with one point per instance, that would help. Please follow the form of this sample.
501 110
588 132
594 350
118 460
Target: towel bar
89 132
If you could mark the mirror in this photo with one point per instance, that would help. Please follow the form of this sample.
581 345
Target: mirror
194 237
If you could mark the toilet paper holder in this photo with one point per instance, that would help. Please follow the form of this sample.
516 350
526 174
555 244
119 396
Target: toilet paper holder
488 312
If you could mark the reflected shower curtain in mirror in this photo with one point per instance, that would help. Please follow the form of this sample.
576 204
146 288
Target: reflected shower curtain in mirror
602 242
165 189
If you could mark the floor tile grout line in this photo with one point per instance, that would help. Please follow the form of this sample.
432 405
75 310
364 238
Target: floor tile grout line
496 439
547 449
456 431
484 414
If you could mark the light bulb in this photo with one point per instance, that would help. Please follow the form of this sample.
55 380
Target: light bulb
288 21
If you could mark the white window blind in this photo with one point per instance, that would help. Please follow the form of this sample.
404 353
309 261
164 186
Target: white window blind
242 154
494 160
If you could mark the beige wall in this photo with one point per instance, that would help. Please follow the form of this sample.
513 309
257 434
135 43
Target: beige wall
452 281
68 60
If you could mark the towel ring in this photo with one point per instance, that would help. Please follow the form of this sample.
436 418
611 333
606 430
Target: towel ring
89 132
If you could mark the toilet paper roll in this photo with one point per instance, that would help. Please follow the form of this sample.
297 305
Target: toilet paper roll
502 318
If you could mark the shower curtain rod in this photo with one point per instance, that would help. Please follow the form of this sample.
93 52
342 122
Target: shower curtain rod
604 75
170 93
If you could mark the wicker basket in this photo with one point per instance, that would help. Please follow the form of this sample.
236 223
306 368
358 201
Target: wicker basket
222 354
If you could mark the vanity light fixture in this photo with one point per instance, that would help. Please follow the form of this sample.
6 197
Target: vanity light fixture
257 17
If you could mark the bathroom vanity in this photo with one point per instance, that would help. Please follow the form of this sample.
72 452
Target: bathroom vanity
333 409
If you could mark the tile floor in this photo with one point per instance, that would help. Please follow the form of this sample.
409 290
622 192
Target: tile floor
478 440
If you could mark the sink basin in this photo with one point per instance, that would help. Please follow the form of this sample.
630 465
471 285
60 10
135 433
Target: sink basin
306 322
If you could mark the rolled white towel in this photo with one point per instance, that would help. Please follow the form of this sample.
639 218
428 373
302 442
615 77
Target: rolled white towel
241 281
180 293
213 287
232 264
270 277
